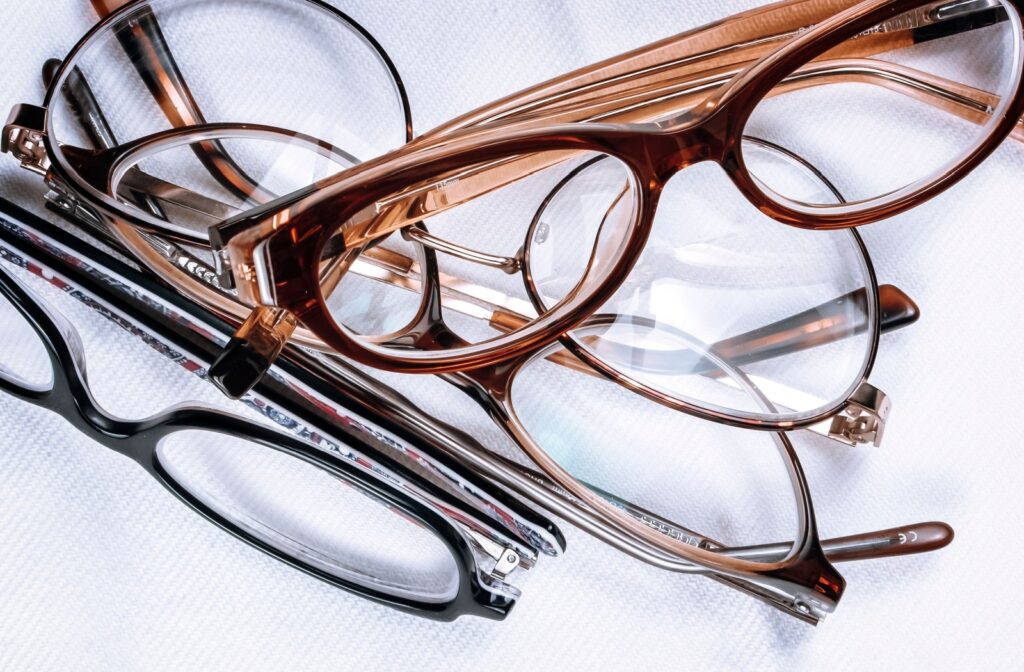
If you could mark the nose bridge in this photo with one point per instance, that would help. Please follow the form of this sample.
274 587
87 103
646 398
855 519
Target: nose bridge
675 149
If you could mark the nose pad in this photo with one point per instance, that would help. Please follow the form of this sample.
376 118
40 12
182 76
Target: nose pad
252 351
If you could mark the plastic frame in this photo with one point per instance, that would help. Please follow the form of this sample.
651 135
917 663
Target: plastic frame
357 461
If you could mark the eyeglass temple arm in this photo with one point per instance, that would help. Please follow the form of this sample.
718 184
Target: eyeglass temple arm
728 43
162 77
758 30
450 190
893 542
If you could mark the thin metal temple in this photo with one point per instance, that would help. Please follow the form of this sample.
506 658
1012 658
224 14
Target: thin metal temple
898 541
510 265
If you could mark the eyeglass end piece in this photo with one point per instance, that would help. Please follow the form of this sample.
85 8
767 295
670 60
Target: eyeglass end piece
251 351
237 369
864 417
23 137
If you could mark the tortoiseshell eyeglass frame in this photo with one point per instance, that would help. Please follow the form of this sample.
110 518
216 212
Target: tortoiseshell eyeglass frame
283 242
663 82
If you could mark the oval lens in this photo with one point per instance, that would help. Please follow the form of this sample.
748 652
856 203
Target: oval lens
792 310
24 360
320 520
897 105
295 66
475 221
675 472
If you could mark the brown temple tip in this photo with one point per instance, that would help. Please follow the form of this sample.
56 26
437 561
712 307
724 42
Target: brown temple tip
898 309
904 540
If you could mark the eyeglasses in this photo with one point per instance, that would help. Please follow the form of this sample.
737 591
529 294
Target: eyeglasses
172 324
418 535
677 75
258 341
720 102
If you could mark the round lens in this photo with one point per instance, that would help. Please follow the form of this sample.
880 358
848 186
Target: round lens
674 472
291 66
310 515
792 310
897 105
475 221
24 360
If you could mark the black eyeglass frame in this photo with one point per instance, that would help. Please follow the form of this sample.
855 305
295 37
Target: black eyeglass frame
69 396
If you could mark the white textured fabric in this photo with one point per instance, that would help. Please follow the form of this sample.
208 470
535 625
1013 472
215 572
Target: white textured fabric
101 569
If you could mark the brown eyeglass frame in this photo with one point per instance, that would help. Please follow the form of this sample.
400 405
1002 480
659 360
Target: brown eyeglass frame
286 238
526 122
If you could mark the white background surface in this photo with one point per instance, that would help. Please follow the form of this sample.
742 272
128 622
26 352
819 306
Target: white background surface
101 569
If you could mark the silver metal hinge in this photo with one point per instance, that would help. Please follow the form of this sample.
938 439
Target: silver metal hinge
60 197
863 419
23 137
506 558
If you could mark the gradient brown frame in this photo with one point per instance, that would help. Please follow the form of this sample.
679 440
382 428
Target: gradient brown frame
292 231
305 221
789 12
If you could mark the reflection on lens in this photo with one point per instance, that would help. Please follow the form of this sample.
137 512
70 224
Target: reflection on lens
320 520
476 220
593 197
787 308
724 482
24 360
172 182
897 104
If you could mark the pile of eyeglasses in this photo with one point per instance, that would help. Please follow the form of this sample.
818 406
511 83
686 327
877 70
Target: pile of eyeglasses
643 271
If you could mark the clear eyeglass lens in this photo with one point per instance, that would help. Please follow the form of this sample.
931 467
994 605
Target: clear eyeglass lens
897 105
171 183
24 360
789 309
291 66
310 515
478 221
726 483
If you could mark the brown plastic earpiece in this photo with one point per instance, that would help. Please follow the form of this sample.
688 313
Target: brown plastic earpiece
906 540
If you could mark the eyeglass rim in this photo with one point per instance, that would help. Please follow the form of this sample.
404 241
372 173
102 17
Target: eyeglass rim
712 412
70 396
753 85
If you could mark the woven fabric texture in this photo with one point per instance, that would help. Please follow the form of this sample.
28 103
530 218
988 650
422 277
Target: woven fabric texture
101 569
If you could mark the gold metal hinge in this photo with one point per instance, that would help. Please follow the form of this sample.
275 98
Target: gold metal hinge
863 419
